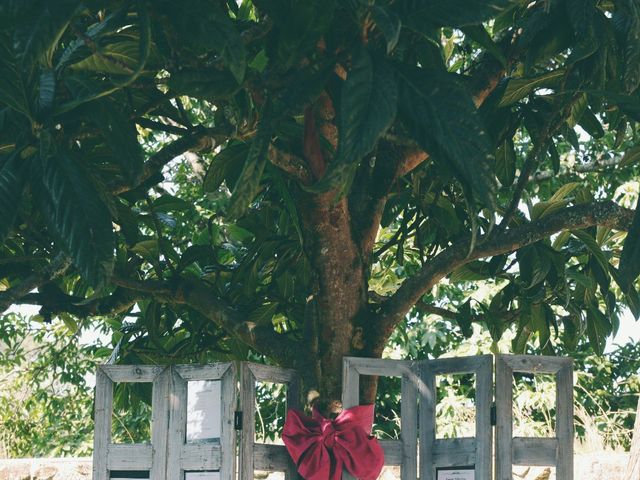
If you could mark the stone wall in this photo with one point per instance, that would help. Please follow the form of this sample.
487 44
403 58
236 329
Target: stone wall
592 466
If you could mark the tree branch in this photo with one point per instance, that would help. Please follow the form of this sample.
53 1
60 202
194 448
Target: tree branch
597 165
199 140
56 268
606 214
291 164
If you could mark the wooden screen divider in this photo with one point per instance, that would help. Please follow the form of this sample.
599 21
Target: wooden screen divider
556 451
169 455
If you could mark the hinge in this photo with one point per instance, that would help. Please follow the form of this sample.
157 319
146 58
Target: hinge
494 414
237 420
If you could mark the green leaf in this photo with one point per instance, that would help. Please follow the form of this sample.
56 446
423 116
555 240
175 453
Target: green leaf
263 314
630 257
454 13
598 329
564 191
542 209
144 44
630 157
12 180
591 124
110 23
210 84
84 89
76 216
148 249
440 115
505 163
118 56
213 30
15 90
36 40
368 106
299 26
519 88
248 184
121 136
628 15
231 158
47 90
389 24
593 248
479 34
464 318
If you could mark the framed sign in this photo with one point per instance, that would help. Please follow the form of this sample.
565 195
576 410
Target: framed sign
456 473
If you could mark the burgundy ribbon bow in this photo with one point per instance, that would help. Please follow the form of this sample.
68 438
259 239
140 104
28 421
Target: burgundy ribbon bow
321 447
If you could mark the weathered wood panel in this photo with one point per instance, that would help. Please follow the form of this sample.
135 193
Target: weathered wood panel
168 455
133 457
402 452
556 451
475 451
255 456
206 455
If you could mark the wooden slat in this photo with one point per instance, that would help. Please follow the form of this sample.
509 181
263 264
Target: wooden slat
504 419
102 422
177 426
133 457
160 424
454 451
393 452
247 406
536 364
427 418
270 458
409 425
214 371
350 384
227 432
484 429
198 457
535 452
132 373
269 373
564 421
459 365
379 366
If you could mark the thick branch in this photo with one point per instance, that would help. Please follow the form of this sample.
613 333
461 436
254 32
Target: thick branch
53 301
598 165
606 214
291 164
198 140
56 268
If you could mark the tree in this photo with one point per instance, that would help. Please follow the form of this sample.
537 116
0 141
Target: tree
357 154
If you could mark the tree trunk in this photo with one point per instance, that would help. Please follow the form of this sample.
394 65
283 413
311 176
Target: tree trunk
633 467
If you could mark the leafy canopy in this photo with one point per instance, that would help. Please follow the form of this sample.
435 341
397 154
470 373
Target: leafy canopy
165 155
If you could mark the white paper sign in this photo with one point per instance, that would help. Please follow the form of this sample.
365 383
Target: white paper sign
457 474
203 412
